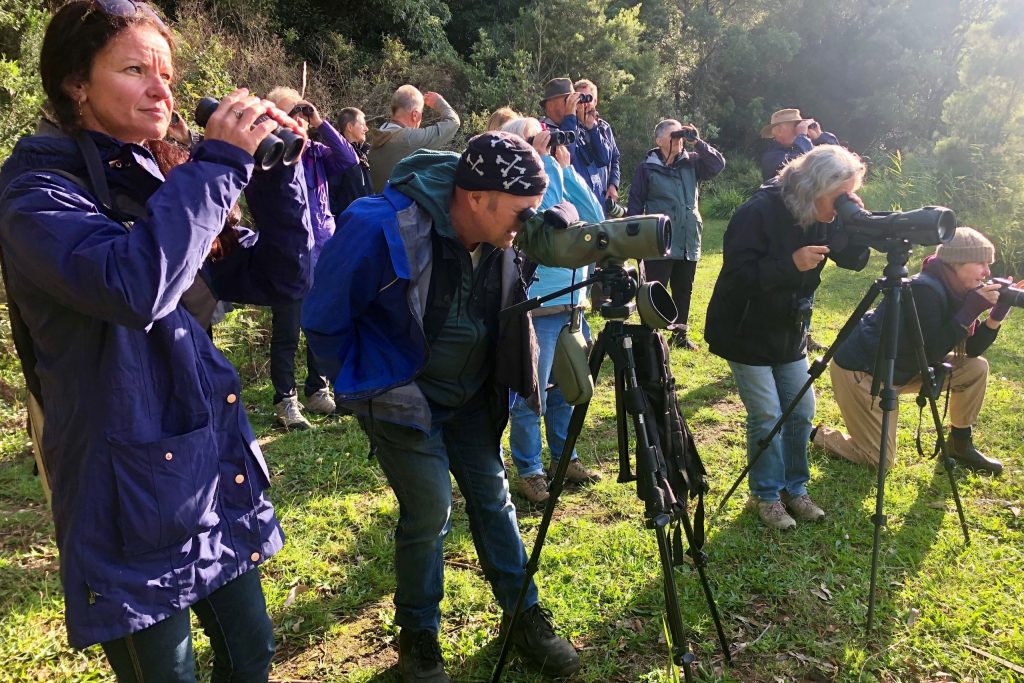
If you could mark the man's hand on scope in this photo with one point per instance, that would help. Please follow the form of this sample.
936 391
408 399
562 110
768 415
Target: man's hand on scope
808 258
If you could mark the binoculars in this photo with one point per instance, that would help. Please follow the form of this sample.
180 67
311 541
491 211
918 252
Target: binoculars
304 109
586 98
558 137
281 146
688 134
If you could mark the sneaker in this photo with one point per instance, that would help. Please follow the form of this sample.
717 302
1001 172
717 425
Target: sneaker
535 639
289 416
321 402
419 657
534 489
576 473
803 508
773 514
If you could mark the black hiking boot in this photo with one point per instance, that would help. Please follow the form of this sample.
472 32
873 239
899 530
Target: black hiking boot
961 448
419 657
534 637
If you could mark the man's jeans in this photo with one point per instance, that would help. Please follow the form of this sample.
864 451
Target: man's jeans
284 342
766 391
524 430
234 617
464 442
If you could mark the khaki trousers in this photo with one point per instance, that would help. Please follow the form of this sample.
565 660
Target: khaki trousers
863 416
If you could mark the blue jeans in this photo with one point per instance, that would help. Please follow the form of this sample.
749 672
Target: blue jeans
766 390
524 430
234 617
465 442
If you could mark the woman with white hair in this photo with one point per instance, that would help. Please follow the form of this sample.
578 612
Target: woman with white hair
564 183
773 253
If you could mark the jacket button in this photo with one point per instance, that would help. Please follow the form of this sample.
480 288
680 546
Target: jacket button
231 398
255 557
168 456
239 478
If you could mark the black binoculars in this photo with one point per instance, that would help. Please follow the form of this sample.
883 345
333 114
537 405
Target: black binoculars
282 145
304 109
558 137
586 98
688 134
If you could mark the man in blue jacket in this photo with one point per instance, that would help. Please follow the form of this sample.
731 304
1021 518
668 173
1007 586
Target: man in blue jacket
404 315
791 135
590 153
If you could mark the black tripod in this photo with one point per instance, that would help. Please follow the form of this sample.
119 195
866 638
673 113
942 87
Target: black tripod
661 507
900 307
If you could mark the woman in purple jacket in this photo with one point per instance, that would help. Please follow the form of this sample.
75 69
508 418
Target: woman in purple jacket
158 484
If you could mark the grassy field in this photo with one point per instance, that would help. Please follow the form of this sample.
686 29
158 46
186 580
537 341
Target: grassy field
794 605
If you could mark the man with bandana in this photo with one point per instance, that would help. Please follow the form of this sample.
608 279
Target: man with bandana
404 316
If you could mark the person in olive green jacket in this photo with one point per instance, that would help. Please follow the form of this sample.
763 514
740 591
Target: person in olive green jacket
402 135
666 182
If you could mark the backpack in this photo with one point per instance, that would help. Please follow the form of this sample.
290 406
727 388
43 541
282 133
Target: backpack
680 472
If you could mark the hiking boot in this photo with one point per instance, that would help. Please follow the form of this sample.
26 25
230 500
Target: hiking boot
802 508
813 346
535 639
534 489
773 514
961 449
681 340
289 416
576 473
321 402
419 657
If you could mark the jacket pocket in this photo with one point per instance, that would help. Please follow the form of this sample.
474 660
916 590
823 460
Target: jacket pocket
166 489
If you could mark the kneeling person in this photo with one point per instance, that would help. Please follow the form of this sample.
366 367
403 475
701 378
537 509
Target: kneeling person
950 293
405 316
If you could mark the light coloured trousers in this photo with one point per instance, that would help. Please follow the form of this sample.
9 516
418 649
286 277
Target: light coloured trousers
863 416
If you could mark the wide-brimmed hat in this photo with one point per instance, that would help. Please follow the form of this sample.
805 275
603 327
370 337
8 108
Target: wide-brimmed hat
556 87
781 116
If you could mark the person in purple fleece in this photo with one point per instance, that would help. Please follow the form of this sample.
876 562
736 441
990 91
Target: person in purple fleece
321 159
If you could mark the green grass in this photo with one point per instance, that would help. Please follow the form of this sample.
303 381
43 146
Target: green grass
794 605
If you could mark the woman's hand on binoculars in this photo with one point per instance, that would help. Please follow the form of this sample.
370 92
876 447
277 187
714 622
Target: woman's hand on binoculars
234 121
541 141
808 258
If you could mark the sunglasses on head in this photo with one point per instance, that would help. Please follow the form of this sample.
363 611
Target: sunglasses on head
125 9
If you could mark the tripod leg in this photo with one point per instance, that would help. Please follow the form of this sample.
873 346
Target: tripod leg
579 416
930 390
681 654
885 363
814 371
700 561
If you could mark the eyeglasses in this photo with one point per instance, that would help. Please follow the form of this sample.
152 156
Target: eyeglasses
126 9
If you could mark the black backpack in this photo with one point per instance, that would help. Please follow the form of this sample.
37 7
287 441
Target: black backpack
681 473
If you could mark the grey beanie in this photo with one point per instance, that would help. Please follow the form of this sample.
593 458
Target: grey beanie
967 246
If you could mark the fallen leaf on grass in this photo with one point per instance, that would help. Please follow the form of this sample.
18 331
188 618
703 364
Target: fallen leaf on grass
1015 511
937 505
294 592
912 616
297 626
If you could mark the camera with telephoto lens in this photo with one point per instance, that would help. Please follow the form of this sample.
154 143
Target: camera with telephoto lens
586 98
886 230
556 237
688 134
613 209
283 145
1008 294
